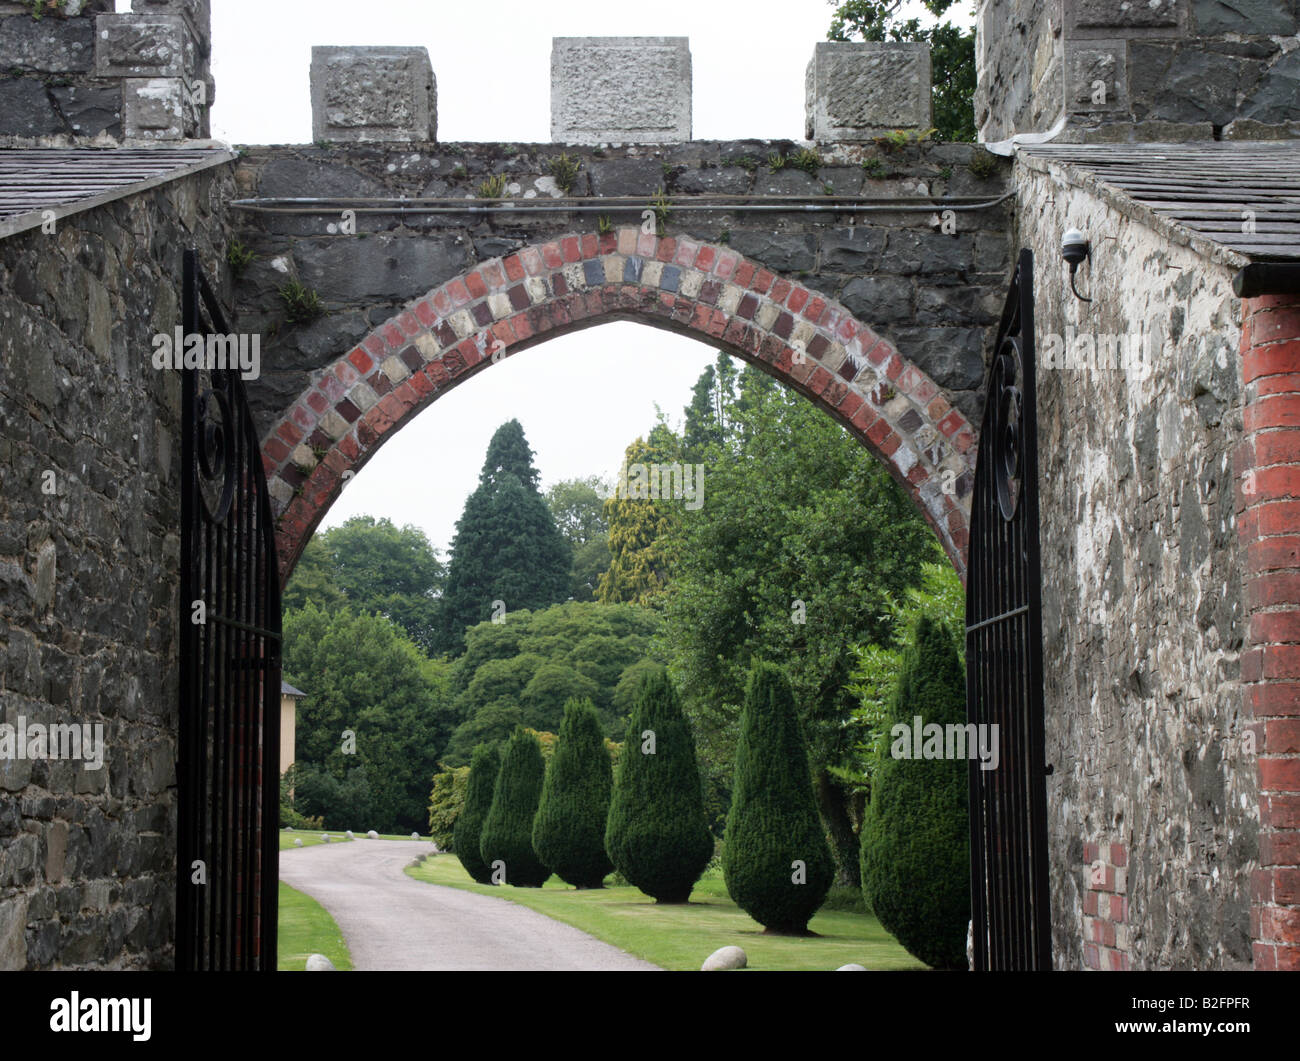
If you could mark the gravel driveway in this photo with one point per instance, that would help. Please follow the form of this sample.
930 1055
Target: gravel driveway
391 921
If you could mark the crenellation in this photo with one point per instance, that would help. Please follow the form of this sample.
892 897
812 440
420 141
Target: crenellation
590 101
859 91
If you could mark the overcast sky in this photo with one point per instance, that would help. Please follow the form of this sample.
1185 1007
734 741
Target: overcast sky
581 398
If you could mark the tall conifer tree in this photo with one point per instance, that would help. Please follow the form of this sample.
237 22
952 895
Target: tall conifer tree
507 547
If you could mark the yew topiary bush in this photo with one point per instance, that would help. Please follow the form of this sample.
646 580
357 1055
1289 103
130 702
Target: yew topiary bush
508 831
915 844
657 835
485 762
569 830
776 863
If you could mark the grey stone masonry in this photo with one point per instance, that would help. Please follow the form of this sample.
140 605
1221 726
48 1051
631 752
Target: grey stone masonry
197 14
90 466
160 55
934 293
631 90
858 91
1140 404
373 94
143 46
84 74
1118 70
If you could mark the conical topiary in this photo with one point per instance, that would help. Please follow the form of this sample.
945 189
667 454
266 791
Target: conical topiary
657 835
569 830
484 764
507 837
915 844
775 861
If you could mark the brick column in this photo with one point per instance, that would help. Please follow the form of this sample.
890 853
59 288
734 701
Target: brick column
1268 467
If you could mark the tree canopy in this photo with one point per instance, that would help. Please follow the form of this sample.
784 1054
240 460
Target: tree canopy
373 566
523 670
507 554
363 676
800 546
952 54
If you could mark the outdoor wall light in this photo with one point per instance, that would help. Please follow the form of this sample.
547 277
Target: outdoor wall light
1075 249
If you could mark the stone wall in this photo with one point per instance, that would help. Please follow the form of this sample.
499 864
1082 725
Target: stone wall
934 294
89 547
1143 607
1162 70
1019 85
83 74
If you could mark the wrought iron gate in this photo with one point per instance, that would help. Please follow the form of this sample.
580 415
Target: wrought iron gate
228 769
1004 656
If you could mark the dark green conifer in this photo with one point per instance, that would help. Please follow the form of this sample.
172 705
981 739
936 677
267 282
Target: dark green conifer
657 835
507 837
776 862
484 764
915 844
569 830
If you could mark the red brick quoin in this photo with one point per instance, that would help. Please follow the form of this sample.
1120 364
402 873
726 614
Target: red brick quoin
1105 907
1268 477
698 289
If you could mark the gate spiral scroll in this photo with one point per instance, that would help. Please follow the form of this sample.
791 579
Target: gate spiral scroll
1004 657
215 446
228 763
1008 407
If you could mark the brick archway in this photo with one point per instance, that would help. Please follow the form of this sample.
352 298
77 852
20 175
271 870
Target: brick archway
700 289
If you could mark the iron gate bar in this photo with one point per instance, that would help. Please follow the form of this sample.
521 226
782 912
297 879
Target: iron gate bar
999 618
228 773
1004 678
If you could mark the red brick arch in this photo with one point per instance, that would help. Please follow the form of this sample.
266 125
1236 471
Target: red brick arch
698 289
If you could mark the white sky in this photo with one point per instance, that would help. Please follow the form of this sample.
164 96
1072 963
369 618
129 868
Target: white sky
581 398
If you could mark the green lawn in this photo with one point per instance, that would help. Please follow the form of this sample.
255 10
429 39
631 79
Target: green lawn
306 928
337 836
310 839
682 936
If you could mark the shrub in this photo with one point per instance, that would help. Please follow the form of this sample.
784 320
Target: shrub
983 164
565 172
493 187
484 764
239 258
508 830
657 836
338 803
773 823
446 802
301 304
569 830
915 845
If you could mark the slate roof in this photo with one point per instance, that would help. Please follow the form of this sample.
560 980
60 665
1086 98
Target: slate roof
1197 192
288 690
69 180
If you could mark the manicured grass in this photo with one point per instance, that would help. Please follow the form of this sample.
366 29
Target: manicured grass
682 936
306 928
309 839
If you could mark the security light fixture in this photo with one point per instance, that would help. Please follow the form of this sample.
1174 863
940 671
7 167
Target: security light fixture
1075 249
